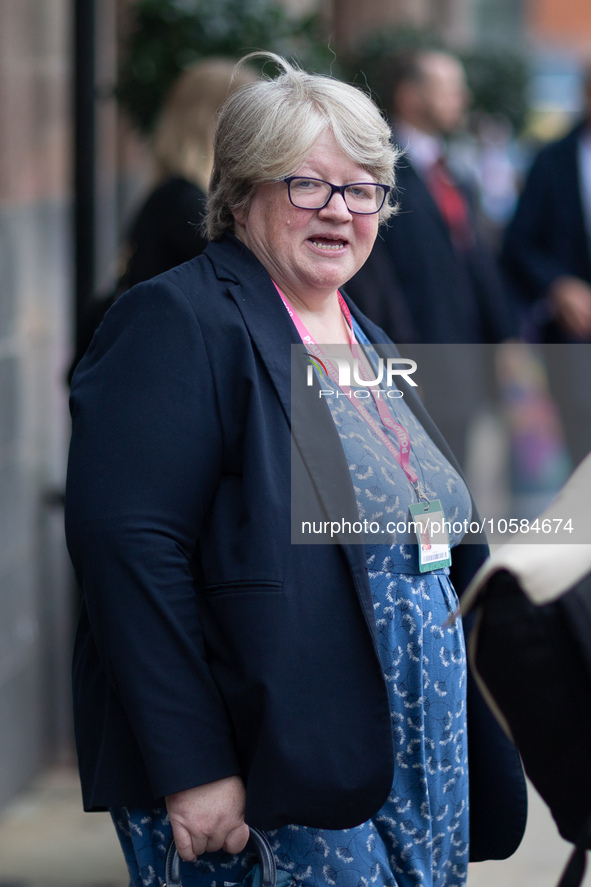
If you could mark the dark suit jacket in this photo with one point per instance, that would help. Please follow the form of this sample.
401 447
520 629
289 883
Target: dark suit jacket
547 237
419 287
208 644
164 233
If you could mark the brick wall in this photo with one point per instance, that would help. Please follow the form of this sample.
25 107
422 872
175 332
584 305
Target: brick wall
349 20
563 22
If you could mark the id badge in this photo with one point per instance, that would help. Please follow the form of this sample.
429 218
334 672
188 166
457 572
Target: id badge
432 538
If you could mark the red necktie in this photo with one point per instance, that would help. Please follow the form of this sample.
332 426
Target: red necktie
451 203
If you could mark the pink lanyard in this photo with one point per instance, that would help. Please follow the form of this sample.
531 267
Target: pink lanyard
402 456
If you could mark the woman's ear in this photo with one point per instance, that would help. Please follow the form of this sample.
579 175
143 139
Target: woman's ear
240 229
240 214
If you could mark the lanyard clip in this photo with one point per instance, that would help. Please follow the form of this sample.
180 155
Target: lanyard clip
421 497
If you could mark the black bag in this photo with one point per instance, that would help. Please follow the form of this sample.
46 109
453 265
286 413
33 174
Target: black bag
536 664
530 651
266 861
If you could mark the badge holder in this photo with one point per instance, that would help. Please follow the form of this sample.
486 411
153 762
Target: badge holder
432 538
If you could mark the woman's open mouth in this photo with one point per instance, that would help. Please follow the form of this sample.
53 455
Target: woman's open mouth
328 244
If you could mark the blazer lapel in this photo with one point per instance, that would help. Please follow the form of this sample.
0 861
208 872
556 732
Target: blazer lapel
264 315
314 434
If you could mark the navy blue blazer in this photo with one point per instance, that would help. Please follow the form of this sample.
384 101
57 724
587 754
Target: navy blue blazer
547 237
419 287
208 644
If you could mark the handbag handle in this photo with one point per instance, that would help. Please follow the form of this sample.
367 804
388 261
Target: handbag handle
266 860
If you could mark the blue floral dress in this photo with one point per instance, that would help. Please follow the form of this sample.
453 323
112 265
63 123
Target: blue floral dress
420 836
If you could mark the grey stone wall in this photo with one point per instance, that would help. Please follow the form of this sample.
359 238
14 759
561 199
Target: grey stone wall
35 295
35 582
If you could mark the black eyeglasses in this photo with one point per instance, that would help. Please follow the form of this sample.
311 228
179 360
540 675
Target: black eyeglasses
363 198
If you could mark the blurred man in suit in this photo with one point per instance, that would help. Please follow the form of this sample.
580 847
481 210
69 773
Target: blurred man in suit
546 245
431 277
547 252
438 279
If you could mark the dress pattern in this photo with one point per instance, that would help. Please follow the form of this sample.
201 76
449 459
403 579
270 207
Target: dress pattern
420 836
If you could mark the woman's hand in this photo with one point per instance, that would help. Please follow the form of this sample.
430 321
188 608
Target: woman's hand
209 817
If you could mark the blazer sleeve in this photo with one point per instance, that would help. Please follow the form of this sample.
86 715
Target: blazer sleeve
145 456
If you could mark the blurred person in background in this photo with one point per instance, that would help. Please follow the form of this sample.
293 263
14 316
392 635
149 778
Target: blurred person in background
431 277
547 253
166 230
439 267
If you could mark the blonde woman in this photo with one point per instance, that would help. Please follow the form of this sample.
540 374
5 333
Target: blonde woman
167 229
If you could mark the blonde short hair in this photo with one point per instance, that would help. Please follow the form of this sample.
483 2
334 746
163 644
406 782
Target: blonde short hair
183 138
266 129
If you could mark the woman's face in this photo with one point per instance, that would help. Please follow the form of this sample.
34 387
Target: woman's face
310 252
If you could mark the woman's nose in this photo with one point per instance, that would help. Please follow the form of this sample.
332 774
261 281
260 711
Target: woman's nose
336 207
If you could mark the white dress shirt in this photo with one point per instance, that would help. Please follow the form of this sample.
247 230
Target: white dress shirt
422 148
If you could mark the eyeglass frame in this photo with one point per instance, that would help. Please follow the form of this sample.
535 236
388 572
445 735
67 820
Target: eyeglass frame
337 189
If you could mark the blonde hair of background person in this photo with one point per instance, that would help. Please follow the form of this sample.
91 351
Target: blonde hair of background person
266 129
166 229
183 138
